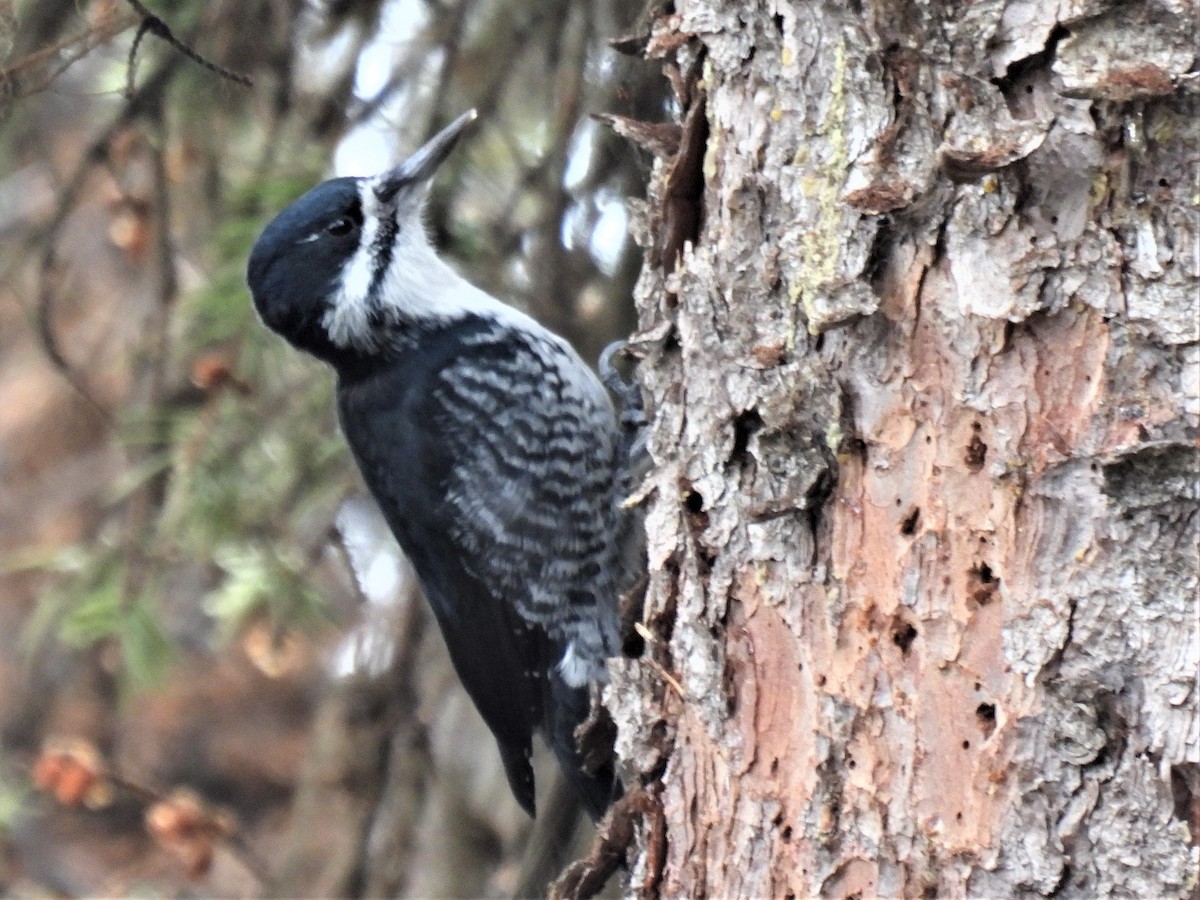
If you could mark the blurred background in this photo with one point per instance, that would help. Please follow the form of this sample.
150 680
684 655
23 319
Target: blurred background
215 674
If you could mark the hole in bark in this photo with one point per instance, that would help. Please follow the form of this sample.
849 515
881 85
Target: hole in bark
1009 330
1162 182
976 453
903 635
909 526
819 342
786 834
958 817
986 714
744 426
986 584
1021 74
858 447
978 685
852 764
778 20
670 343
729 686
633 645
821 681
1185 789
877 257
1063 880
693 504
774 769
1054 220
966 745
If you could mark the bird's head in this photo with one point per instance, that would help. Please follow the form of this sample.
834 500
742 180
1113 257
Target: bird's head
350 260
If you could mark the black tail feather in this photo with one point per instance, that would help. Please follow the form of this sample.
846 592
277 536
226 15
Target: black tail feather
567 708
520 774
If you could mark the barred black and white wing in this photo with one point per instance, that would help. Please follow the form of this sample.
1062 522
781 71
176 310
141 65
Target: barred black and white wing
534 436
491 455
490 448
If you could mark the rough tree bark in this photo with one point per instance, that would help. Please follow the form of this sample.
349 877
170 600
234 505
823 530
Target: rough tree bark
923 518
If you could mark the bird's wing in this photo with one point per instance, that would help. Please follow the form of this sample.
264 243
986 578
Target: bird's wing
406 462
492 463
531 483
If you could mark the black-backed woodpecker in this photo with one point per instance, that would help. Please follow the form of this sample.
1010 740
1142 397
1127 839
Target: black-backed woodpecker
491 448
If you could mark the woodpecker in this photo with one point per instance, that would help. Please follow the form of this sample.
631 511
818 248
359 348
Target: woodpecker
491 448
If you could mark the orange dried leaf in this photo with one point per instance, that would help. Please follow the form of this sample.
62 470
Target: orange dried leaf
187 828
73 784
71 771
211 371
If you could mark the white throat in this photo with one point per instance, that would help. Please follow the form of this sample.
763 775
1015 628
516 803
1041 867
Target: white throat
416 285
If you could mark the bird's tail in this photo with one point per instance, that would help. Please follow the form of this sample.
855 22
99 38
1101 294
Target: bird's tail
591 774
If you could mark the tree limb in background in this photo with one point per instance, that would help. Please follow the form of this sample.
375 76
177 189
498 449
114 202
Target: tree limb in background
97 154
152 24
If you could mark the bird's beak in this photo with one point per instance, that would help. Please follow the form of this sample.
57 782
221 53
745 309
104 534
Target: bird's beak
419 168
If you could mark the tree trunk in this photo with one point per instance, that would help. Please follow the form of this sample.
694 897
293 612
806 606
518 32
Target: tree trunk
922 522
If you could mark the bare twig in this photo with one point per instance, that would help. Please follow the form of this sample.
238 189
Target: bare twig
73 770
152 24
95 155
49 341
34 71
144 505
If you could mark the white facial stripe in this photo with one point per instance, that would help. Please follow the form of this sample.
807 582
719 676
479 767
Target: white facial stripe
348 320
416 286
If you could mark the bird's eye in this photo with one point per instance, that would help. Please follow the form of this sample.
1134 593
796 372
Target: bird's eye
340 226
